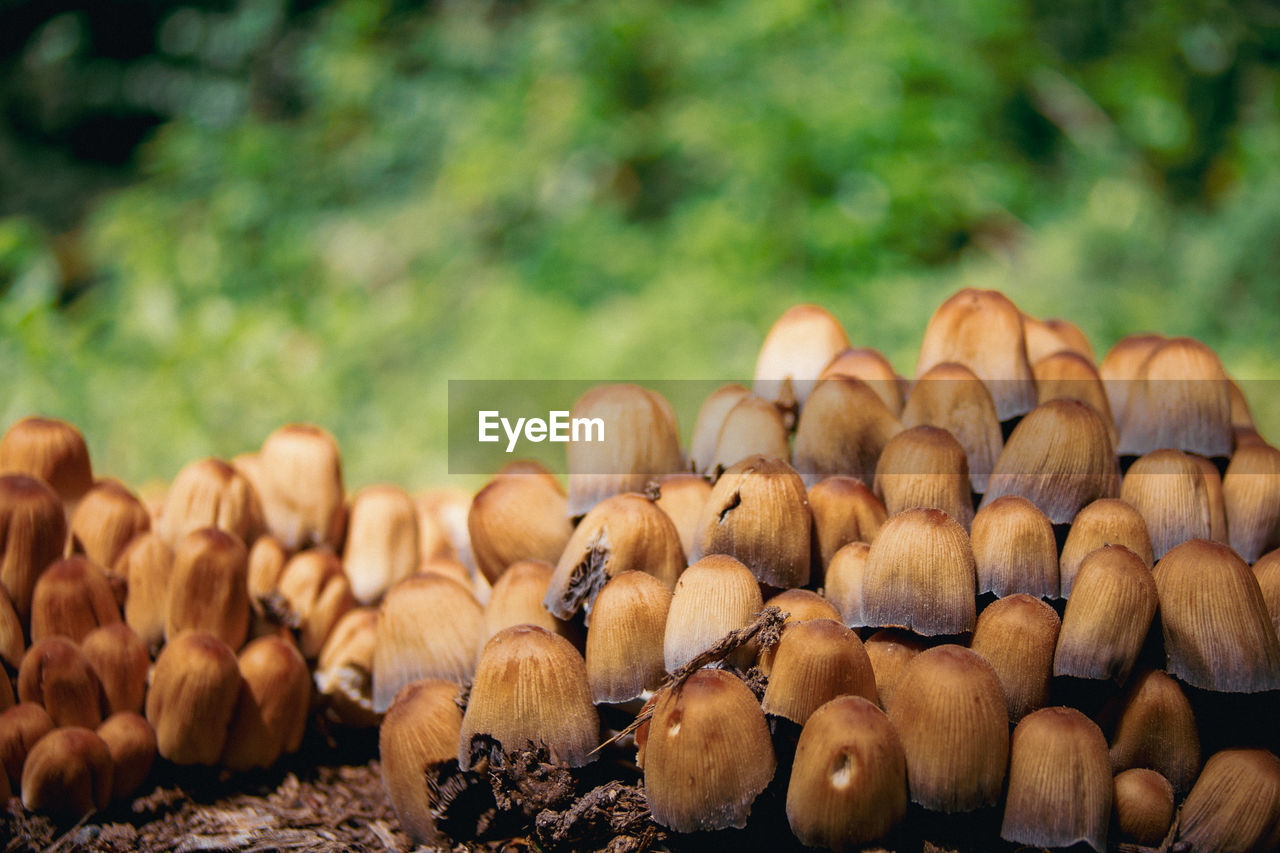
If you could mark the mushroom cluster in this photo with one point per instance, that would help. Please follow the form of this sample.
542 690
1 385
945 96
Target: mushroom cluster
1026 593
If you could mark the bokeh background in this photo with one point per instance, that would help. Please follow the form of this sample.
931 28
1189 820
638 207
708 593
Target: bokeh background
216 217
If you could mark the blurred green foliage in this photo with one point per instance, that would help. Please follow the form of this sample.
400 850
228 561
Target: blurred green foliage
636 189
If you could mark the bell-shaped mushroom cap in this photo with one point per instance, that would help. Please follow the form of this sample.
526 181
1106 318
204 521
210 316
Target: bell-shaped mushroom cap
1014 549
798 346
949 710
1251 495
1107 616
637 441
982 330
517 517
842 431
50 449
622 533
871 367
1217 632
1059 781
920 575
429 626
950 396
1155 728
1017 636
1235 804
530 687
1060 458
1168 489
625 644
758 513
708 754
1181 400
848 784
925 467
706 427
1109 521
714 596
816 661
420 732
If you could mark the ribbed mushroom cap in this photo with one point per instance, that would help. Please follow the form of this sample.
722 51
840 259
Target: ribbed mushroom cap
1217 632
714 596
429 626
1060 458
270 717
1235 804
104 521
758 513
131 743
50 449
1107 616
920 575
844 510
13 641
871 367
621 533
815 661
1068 375
1014 549
420 733
1251 495
344 671
517 599
925 466
708 754
1155 728
797 347
33 533
316 592
517 518
753 427
1267 572
1213 491
58 676
681 497
67 774
951 397
1017 636
706 428
192 697
1142 806
298 475
842 431
210 493
848 784
1109 521
1122 368
72 597
1181 399
1046 337
382 541
625 644
949 710
146 564
20 728
1167 488
119 658
982 330
844 582
530 687
640 443
890 650
1060 781
209 586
